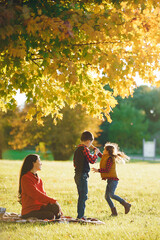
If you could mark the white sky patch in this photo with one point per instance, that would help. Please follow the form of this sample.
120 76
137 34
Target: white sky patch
20 98
139 81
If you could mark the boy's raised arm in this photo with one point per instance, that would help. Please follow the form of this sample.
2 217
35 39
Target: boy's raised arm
91 158
94 148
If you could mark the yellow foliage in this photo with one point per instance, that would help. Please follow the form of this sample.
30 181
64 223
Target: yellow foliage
158 83
68 59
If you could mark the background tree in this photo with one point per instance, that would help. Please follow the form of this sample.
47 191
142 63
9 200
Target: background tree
54 51
144 108
148 99
5 129
61 139
129 127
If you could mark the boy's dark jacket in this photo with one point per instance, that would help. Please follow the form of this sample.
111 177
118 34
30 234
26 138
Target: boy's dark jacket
82 158
80 162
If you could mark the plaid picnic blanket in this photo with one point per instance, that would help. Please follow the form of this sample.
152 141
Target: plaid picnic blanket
16 218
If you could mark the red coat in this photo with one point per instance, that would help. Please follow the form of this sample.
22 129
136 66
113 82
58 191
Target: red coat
33 194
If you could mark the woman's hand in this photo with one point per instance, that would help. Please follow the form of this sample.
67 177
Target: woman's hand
94 169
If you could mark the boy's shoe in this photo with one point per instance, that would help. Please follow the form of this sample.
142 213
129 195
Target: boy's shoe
2 211
82 218
87 219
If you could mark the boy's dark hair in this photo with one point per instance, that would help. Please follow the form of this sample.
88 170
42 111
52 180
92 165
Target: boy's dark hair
87 136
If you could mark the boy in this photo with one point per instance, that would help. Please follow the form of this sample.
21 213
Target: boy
82 158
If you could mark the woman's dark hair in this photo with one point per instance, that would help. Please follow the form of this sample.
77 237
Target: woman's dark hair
86 135
26 167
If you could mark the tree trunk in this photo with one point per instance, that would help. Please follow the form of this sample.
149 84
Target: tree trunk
0 153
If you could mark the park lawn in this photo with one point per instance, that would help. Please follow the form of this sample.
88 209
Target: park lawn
139 184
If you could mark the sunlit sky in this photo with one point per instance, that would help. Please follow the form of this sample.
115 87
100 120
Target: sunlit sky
21 98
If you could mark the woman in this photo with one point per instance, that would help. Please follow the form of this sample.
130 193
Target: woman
35 202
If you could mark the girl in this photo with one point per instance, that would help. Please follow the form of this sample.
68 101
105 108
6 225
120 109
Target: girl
111 155
35 202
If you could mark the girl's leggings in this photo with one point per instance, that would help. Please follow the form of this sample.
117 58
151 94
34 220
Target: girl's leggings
110 189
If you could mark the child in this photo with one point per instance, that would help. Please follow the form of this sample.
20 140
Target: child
82 158
111 155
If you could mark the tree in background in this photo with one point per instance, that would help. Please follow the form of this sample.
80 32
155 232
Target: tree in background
54 51
1 136
61 139
144 109
129 126
148 100
5 129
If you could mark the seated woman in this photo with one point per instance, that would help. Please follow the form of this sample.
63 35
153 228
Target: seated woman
35 202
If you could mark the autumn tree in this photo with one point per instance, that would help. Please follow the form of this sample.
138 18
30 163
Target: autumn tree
54 52
60 139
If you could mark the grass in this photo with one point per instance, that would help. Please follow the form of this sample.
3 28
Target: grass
139 184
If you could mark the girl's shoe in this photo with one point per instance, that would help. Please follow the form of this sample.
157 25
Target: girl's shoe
127 206
114 212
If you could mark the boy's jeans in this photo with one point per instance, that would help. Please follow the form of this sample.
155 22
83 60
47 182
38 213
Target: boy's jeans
82 187
110 189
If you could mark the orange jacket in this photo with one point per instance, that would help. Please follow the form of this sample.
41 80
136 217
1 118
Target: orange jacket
103 163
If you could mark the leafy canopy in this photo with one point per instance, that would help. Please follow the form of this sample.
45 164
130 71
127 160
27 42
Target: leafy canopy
64 52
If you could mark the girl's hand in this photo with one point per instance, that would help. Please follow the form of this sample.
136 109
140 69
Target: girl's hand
94 170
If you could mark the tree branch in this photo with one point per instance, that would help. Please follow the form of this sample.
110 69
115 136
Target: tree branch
93 43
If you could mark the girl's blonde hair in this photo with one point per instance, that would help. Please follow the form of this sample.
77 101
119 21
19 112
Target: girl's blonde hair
113 150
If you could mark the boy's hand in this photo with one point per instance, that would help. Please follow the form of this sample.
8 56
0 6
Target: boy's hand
94 170
92 146
96 151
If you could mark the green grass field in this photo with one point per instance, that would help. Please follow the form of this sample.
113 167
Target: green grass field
139 184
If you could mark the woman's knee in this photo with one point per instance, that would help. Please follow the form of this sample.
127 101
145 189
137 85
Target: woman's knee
46 215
